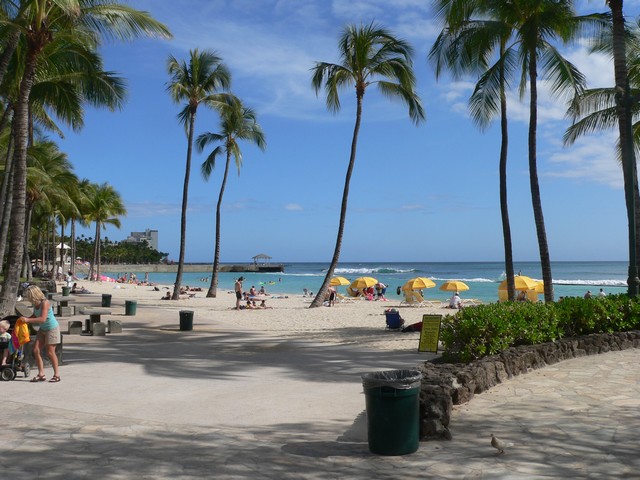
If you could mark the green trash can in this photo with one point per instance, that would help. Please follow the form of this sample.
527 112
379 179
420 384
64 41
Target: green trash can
393 411
66 291
106 300
130 307
186 320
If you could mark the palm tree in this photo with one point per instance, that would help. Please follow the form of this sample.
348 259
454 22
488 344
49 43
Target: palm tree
624 104
596 110
105 206
536 25
366 53
237 123
50 178
198 82
467 45
40 22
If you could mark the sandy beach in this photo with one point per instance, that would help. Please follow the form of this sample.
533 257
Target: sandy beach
358 322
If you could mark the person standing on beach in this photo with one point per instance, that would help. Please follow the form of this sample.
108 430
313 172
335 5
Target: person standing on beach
238 289
48 335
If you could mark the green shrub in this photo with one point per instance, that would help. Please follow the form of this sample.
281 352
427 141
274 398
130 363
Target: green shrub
488 329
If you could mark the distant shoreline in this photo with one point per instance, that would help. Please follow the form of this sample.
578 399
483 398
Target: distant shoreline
151 268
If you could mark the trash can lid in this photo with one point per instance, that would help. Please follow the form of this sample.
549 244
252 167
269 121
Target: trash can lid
398 379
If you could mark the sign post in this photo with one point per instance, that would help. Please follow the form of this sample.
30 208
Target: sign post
430 333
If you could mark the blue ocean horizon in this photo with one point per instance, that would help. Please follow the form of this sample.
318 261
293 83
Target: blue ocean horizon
483 278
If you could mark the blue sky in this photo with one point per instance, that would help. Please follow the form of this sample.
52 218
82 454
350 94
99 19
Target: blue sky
425 193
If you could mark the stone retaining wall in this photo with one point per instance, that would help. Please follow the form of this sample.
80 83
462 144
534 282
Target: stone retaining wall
447 384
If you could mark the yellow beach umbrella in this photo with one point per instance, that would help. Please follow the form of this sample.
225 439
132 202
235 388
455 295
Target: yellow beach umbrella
418 283
339 282
363 282
539 287
521 283
454 286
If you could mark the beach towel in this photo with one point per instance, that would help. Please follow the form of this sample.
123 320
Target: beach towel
21 332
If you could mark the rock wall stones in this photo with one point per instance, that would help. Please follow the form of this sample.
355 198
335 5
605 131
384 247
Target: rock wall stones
448 384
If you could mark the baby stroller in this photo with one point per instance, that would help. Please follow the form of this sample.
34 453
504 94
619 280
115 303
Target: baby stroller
16 361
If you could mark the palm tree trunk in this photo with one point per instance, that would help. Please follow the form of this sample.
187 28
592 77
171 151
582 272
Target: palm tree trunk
623 101
62 249
18 211
98 252
183 220
545 261
29 271
319 299
213 288
73 246
94 263
504 208
6 195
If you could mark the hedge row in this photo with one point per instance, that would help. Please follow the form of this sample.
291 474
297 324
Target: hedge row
475 332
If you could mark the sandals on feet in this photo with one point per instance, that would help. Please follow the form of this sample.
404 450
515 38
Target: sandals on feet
38 378
54 379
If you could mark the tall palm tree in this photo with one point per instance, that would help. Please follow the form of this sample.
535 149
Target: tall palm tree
467 45
237 123
199 81
369 54
596 109
536 26
43 20
105 208
50 178
540 23
624 104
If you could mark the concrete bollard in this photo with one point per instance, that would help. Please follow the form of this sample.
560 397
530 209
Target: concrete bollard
75 327
114 326
99 329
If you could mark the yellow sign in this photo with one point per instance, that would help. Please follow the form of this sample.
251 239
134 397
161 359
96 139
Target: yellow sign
430 333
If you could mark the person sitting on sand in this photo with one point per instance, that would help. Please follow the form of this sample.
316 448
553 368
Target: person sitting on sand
167 296
249 305
252 291
263 305
455 301
262 291
75 289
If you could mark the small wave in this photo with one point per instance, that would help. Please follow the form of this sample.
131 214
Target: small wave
474 280
606 283
364 271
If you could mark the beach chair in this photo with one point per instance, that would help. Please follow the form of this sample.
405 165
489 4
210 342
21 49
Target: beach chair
394 320
532 296
342 299
412 298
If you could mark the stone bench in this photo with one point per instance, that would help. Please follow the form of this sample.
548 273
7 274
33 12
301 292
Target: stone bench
64 309
95 316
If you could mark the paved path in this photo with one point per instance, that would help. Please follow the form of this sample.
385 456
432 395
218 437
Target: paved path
213 403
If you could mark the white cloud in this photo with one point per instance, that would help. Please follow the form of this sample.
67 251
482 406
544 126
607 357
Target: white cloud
293 207
414 207
591 159
149 209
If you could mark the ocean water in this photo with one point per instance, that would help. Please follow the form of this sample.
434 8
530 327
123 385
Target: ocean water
483 278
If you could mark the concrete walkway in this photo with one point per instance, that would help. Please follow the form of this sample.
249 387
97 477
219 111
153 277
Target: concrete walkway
155 403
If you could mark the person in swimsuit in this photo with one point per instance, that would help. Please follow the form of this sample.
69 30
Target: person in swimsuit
238 289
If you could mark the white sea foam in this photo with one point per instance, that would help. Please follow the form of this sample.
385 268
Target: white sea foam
607 283
365 271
